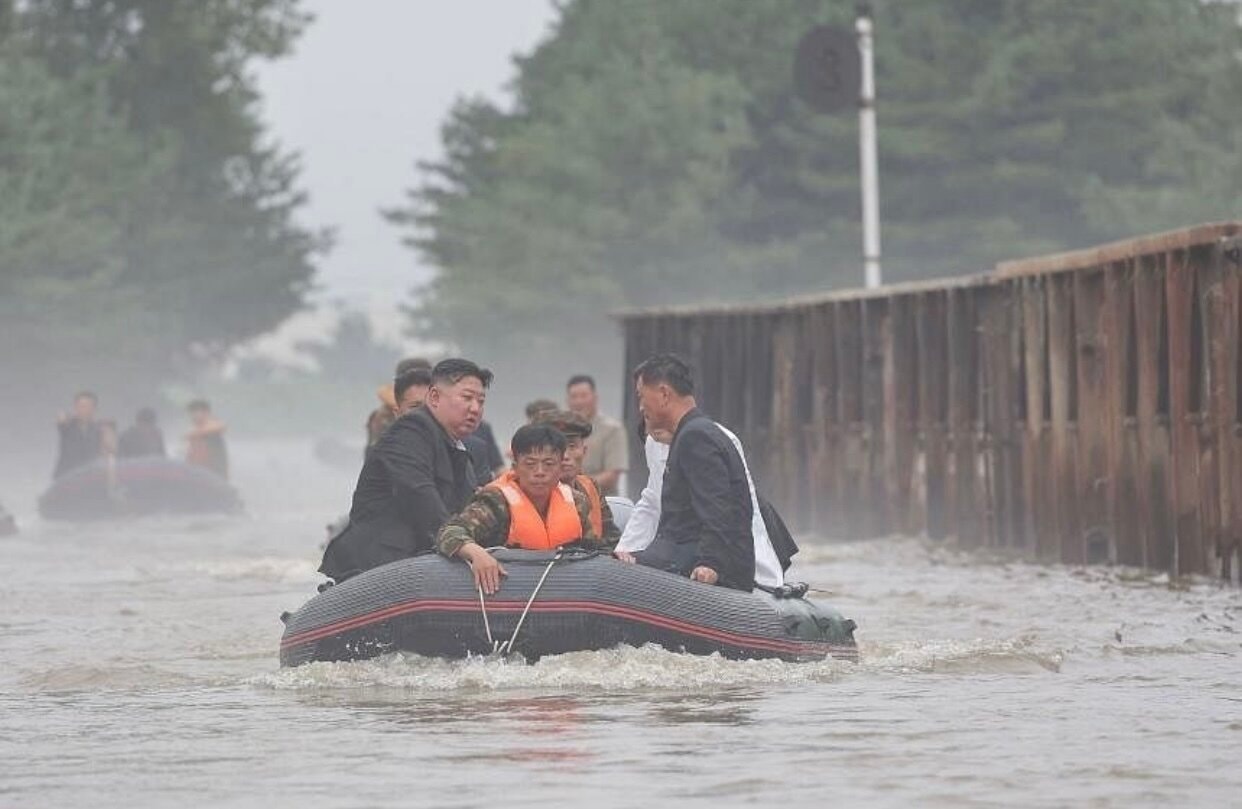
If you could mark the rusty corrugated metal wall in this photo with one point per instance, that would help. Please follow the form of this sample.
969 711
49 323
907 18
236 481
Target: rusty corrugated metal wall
1083 407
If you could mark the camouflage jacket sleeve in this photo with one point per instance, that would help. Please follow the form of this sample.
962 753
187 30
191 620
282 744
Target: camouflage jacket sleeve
583 500
583 504
611 532
484 521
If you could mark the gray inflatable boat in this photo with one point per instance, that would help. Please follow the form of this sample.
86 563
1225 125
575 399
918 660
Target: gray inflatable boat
137 487
551 604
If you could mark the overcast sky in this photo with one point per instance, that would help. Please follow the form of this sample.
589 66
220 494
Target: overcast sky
362 100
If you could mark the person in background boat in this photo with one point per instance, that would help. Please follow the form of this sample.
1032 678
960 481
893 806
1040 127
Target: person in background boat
79 432
539 407
415 477
205 440
390 407
640 529
410 389
108 446
108 441
608 453
527 507
577 432
143 438
706 506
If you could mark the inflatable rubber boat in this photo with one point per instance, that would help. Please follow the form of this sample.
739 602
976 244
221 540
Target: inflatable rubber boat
137 486
551 604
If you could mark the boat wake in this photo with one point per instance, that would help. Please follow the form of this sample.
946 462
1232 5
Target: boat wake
612 670
652 668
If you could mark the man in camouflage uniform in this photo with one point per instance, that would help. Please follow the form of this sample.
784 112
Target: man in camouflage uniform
527 507
577 430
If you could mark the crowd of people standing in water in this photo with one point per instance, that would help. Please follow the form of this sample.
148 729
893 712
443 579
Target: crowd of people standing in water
85 438
434 480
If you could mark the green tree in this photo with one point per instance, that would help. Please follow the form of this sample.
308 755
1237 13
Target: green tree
164 231
73 182
355 358
655 153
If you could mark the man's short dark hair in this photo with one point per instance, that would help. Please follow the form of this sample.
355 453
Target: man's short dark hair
412 378
145 416
581 379
199 404
670 369
409 364
531 437
86 394
452 371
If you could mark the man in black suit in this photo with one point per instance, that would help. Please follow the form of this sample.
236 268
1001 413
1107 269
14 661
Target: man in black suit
416 476
81 437
706 510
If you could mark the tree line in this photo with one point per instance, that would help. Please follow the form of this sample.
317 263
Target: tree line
654 152
147 223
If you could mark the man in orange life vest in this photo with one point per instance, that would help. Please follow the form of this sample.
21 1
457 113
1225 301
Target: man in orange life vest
577 430
527 507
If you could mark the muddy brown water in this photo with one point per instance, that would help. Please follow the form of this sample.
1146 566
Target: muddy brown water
138 669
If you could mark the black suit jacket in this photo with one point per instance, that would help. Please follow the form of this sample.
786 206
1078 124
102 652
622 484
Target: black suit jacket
80 443
414 478
706 501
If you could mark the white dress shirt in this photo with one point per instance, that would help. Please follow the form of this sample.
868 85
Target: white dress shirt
767 564
641 527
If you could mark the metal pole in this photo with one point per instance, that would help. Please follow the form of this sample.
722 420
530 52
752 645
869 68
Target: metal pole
869 162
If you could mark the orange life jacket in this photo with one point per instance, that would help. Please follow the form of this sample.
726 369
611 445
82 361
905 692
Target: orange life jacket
527 529
597 508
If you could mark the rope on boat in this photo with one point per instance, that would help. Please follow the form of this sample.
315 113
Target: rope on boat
507 646
487 626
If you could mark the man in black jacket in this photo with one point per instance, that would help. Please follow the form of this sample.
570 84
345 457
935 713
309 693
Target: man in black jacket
706 511
81 438
143 439
415 477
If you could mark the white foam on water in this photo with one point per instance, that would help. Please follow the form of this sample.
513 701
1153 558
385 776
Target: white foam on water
83 677
1024 653
651 667
623 669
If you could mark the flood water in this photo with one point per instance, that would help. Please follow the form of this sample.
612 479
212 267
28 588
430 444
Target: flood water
139 668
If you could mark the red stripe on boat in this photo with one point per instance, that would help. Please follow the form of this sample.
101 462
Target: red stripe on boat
642 616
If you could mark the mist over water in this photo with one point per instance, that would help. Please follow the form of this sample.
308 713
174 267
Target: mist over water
170 173
140 669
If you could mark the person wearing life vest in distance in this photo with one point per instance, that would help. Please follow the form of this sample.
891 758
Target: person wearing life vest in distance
577 431
527 507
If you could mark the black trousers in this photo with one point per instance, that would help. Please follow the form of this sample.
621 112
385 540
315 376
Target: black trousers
680 558
673 557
